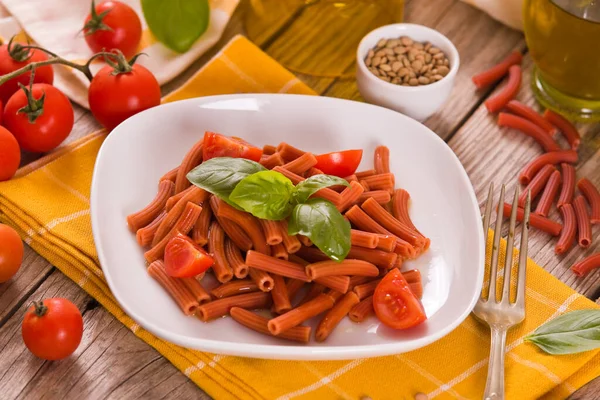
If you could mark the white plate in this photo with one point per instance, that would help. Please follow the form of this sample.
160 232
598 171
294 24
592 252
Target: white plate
140 150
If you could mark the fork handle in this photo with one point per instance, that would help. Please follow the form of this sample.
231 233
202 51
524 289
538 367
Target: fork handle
494 387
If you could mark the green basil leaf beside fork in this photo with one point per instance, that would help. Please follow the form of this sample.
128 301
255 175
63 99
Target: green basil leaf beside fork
573 332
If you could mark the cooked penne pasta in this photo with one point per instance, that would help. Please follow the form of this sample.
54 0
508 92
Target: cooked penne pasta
191 160
200 229
151 211
288 152
567 235
313 171
145 235
383 181
382 160
366 289
235 259
548 195
325 193
233 288
304 240
380 258
272 161
196 289
260 324
568 186
170 176
537 184
417 289
296 179
301 164
592 195
364 239
400 202
363 174
216 247
248 223
387 220
268 149
176 289
279 294
272 231
414 275
362 310
311 254
220 307
339 283
584 228
293 286
359 280
386 242
314 290
335 315
233 230
267 263
346 267
334 294
175 198
380 196
173 215
279 251
365 185
263 280
292 243
300 314
349 196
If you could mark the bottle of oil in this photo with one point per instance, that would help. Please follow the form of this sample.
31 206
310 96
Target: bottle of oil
563 37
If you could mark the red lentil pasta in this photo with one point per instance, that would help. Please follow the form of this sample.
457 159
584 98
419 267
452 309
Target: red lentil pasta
548 195
584 228
592 195
567 235
567 190
553 157
258 265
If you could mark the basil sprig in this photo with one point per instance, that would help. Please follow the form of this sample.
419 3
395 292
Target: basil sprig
270 195
573 332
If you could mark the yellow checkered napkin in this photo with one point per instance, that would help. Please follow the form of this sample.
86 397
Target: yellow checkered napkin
49 204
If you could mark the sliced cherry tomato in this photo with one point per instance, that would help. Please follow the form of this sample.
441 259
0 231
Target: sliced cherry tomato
52 329
395 304
339 163
11 252
217 145
10 155
185 259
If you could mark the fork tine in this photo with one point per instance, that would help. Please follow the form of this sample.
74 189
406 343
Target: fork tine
496 247
520 300
509 249
488 211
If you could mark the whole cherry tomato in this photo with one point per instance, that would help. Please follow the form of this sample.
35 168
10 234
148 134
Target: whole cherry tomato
117 93
217 145
13 57
10 154
11 252
40 117
52 329
113 25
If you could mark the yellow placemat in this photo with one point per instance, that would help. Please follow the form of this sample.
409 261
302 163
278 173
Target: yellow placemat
49 205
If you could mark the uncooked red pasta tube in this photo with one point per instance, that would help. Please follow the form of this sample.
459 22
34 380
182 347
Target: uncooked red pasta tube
387 220
221 307
363 174
233 288
346 267
380 258
300 314
384 181
380 196
507 93
567 128
529 113
335 315
539 222
537 184
200 229
235 259
350 195
269 149
292 243
568 186
288 152
248 223
263 280
549 194
279 294
362 310
145 235
498 71
176 289
260 324
197 290
170 176
151 211
301 164
279 251
586 265
386 242
584 228
530 129
382 160
366 289
553 157
173 215
267 263
567 235
233 230
191 160
272 231
305 240
216 247
364 239
272 161
592 195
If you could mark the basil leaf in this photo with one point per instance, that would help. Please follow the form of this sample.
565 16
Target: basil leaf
220 175
177 23
572 332
324 225
265 194
311 185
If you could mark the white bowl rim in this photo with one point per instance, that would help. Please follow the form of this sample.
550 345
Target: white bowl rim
287 352
399 88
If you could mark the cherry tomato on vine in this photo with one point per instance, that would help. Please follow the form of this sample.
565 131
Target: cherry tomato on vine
119 91
10 155
40 117
113 25
11 252
52 329
14 57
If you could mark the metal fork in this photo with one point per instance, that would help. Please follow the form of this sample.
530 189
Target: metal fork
501 314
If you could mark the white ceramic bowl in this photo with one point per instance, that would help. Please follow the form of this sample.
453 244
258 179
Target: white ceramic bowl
418 102
140 150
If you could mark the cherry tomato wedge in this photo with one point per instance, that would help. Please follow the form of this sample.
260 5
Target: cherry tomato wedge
217 145
395 304
339 163
184 259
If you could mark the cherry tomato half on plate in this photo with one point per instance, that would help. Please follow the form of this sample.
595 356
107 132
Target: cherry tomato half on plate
395 304
184 259
113 25
10 156
217 145
339 163
52 329
11 251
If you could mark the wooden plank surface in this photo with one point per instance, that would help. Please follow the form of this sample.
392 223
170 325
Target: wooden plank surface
113 363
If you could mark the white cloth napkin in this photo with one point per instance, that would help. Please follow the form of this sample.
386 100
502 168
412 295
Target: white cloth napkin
509 12
56 25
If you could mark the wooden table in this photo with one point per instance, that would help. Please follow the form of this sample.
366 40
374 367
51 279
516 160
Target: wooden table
112 362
